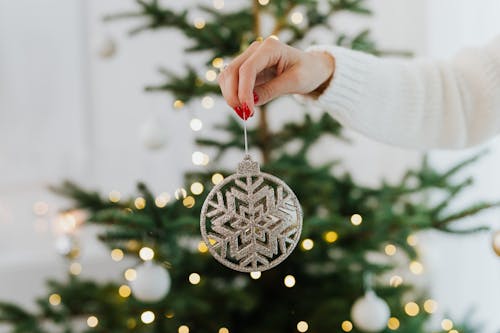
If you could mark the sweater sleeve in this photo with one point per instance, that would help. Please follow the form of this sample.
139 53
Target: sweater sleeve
417 103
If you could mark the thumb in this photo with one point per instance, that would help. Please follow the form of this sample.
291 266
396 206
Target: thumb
283 84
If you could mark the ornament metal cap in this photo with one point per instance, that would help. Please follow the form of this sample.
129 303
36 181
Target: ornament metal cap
248 167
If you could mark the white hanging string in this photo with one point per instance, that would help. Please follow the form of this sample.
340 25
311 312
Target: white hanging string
246 136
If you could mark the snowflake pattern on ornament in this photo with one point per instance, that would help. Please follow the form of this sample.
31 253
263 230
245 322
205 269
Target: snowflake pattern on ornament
251 221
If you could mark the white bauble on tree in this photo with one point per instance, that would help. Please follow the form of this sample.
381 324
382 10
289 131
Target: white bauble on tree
370 313
152 282
152 134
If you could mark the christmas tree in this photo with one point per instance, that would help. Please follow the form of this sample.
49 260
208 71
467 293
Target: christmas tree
353 237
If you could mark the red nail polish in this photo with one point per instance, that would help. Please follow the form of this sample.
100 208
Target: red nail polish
246 111
255 97
239 112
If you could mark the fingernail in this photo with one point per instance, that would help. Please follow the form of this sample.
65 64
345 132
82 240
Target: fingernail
246 111
239 112
255 97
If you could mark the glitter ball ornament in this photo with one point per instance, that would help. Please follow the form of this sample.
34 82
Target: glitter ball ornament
251 221
370 313
152 282
496 242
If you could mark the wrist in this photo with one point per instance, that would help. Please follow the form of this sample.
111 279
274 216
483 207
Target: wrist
327 70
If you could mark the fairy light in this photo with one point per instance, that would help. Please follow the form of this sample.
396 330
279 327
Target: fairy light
169 315
140 203
356 219
274 37
210 75
255 275
412 240
146 253
147 317
92 321
197 158
393 323
453 331
416 267
307 244
199 23
430 306
131 323
162 200
218 4
196 124
183 329
289 281
130 274
207 102
40 208
55 299
446 324
223 330
197 188
390 249
412 309
218 63
302 326
217 178
124 291
194 278
202 247
263 2
395 281
330 236
114 196
205 160
297 17
178 104
180 193
117 255
75 268
67 222
346 326
188 202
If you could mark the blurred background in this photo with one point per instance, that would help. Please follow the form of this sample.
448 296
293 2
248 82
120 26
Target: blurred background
72 106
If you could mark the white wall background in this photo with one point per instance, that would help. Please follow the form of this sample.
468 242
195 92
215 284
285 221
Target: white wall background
66 113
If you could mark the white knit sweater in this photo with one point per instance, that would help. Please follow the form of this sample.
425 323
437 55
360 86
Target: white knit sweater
417 103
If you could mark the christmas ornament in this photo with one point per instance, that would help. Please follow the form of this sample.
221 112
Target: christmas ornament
152 134
107 48
370 313
152 282
251 221
496 242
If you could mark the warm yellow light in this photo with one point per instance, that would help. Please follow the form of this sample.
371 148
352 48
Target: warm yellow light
218 63
346 326
124 291
131 323
210 75
412 309
178 104
307 244
453 331
289 281
194 278
146 253
116 254
197 158
202 247
264 2
114 196
416 267
297 17
183 329
55 299
217 178
180 193
169 315
207 102
161 200
331 236
390 249
430 306
196 124
412 240
395 281
92 321
40 208
140 203
67 222
133 245
75 268
199 23
218 4
188 202
255 275
147 317
274 37
302 326
393 323
446 324
130 274
223 330
356 219
197 188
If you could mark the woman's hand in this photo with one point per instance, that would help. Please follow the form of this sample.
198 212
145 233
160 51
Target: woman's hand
269 69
